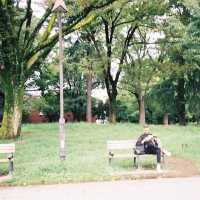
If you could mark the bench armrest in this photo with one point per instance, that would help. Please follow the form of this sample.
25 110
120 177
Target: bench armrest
10 156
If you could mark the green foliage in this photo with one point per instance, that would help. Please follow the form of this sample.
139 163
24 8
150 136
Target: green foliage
84 55
74 92
126 112
163 98
126 108
25 42
32 104
160 100
47 80
142 69
118 25
193 94
51 108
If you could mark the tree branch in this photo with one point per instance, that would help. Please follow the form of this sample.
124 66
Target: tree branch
27 16
73 21
129 36
39 25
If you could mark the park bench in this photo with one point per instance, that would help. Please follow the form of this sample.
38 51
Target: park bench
8 151
125 149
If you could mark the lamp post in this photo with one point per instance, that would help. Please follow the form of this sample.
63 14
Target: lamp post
59 8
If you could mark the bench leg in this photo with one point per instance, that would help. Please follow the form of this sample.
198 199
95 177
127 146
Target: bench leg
10 166
110 157
109 160
163 161
138 162
135 162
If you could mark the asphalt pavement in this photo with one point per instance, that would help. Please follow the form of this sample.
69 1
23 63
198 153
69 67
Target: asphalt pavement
155 189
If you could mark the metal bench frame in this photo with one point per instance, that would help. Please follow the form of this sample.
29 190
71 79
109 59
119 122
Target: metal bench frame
114 146
9 150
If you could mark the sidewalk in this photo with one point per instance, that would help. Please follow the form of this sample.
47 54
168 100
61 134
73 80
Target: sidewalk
155 189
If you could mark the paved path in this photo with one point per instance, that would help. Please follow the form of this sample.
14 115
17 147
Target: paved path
157 189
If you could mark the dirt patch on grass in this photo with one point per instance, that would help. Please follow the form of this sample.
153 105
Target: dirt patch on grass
179 167
27 133
174 167
5 178
20 142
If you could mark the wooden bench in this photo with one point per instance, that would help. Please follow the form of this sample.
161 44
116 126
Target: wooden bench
8 150
125 149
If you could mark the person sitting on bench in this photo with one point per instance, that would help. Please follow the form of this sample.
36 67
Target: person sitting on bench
149 144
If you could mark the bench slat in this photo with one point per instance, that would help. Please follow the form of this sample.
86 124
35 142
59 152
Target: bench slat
4 160
120 141
7 148
123 144
122 156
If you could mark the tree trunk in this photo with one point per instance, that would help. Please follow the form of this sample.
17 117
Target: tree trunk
141 110
141 106
112 95
1 106
111 87
89 98
198 121
112 110
181 101
165 119
12 112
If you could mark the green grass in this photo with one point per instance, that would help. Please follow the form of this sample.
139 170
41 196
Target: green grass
37 160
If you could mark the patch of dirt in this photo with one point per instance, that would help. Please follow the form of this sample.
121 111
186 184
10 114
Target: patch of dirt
21 142
174 167
179 167
26 133
5 178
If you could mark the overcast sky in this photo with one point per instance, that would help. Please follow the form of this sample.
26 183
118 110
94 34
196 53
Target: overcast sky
37 6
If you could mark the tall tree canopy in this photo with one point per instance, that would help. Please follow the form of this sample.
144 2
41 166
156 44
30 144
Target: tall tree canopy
25 43
118 28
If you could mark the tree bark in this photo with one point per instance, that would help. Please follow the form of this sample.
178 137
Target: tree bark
141 110
198 121
111 88
181 101
141 106
1 106
165 119
89 98
112 110
12 111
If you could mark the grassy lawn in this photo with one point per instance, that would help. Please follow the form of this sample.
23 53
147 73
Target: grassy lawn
37 161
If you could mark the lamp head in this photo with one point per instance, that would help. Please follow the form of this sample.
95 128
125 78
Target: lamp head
59 6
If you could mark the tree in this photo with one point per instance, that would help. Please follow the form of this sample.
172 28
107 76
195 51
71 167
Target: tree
192 56
119 26
142 68
192 88
175 31
83 54
161 101
1 105
24 46
74 88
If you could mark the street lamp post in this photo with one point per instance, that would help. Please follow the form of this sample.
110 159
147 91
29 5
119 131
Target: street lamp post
59 8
